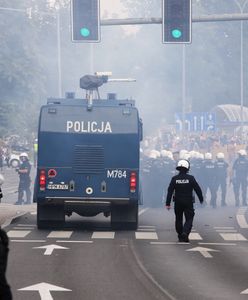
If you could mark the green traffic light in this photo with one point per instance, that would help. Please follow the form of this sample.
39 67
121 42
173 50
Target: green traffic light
176 33
85 32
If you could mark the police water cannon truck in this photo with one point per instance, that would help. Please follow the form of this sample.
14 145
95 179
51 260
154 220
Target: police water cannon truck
88 158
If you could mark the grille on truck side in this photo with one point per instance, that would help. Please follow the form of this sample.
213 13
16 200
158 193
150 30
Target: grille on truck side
88 159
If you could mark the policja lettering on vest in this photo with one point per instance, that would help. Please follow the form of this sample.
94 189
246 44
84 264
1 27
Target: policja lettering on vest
182 186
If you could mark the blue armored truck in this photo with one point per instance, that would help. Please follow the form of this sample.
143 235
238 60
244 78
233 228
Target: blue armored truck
88 161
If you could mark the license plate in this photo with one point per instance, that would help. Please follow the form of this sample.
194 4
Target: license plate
57 187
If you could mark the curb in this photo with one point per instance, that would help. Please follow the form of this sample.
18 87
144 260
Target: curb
11 219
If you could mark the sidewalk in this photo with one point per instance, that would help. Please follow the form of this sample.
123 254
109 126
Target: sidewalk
8 212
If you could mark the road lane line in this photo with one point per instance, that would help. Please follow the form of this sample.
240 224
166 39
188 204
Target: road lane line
226 230
218 244
18 233
64 241
23 228
60 234
28 241
149 275
169 243
27 225
195 236
103 235
233 237
147 226
142 211
146 235
241 221
146 229
223 227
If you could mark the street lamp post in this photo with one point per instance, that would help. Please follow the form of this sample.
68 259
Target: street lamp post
241 7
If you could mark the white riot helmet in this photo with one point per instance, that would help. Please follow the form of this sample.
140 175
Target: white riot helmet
1 179
208 156
164 153
24 154
182 153
170 155
220 155
152 155
242 152
183 163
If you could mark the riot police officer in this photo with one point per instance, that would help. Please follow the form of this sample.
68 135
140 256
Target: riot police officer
25 180
221 167
239 177
5 292
182 186
209 178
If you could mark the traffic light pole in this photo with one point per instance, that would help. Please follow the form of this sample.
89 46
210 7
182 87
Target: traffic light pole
203 18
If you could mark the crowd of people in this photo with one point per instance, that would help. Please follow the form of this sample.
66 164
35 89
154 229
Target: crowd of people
215 162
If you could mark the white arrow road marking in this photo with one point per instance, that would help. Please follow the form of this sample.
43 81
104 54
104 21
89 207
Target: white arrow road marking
204 251
50 248
244 292
44 290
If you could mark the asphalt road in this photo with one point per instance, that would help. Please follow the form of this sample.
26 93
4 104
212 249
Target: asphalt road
97 263
87 260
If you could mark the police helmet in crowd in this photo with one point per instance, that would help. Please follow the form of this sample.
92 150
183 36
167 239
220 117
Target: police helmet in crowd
166 154
208 156
183 164
242 152
24 155
220 155
1 179
152 155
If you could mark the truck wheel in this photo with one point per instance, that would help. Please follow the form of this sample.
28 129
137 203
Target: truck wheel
124 217
50 216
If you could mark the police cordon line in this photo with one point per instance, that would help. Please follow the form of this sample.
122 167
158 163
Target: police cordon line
212 174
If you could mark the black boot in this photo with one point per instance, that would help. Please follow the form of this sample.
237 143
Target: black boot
185 237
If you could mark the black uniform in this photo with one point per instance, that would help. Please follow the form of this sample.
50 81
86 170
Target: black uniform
24 183
182 185
5 293
240 172
221 176
209 182
1 194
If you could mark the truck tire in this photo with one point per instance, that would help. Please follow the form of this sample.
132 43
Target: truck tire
50 216
124 217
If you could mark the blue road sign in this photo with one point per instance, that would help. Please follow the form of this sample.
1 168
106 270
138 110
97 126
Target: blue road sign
196 121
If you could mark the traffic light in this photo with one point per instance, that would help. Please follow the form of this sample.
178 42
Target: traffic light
85 20
176 21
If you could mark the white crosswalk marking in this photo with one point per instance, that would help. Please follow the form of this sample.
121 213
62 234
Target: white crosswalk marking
233 237
146 235
195 236
60 234
18 233
103 235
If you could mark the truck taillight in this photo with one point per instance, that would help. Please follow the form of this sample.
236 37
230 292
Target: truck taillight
42 180
133 182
